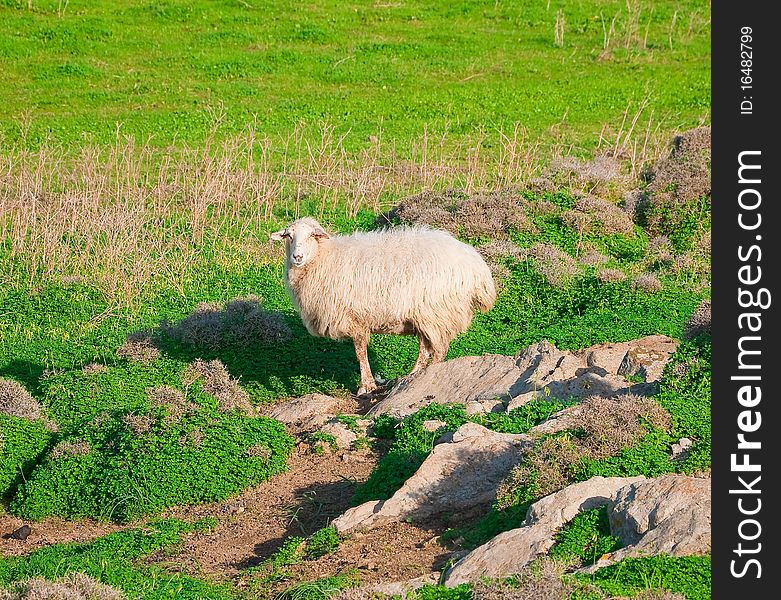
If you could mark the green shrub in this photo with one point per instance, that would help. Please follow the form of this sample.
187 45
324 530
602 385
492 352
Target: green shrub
138 464
22 443
321 542
586 537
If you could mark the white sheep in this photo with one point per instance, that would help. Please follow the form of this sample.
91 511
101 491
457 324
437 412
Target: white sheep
406 281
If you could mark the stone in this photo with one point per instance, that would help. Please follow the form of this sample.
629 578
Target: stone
511 551
458 381
344 436
665 515
459 477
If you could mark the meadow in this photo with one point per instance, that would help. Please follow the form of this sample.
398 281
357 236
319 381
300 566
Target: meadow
147 149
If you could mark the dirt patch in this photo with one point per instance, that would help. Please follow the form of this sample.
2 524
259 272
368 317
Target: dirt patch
394 552
50 531
314 490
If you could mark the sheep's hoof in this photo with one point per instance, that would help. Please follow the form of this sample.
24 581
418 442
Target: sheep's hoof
366 390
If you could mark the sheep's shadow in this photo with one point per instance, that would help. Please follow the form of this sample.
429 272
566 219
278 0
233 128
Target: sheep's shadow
269 348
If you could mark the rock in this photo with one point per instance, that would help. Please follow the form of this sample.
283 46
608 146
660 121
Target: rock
459 477
489 383
511 551
458 381
307 413
680 449
600 370
669 514
345 437
22 533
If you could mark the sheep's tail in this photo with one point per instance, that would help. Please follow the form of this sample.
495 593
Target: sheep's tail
485 294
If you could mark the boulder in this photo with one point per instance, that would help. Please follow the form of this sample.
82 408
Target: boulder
463 380
343 435
460 477
307 413
599 370
666 515
511 551
494 382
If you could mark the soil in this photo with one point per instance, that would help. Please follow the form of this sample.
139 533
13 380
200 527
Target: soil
49 531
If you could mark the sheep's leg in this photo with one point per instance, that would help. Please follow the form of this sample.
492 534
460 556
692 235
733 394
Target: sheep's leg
424 353
368 385
440 351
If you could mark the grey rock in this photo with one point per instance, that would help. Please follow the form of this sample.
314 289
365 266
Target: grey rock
510 551
460 477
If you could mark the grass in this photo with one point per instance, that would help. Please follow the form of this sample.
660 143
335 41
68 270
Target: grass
169 70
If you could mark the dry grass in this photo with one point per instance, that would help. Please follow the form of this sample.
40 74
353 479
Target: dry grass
605 426
193 438
98 214
171 400
241 322
554 264
542 580
611 275
139 424
16 401
74 586
67 448
218 383
496 252
648 283
677 182
700 322
139 347
484 214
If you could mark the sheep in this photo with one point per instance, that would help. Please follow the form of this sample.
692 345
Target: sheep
404 281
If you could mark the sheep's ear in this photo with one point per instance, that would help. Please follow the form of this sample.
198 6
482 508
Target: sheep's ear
278 236
320 233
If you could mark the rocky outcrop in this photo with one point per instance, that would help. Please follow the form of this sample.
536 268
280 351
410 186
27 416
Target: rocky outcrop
665 515
472 380
510 551
669 514
496 383
460 476
601 370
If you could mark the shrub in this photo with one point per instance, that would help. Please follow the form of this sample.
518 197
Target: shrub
138 466
22 443
586 538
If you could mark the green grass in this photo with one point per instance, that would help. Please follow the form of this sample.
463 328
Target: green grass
687 575
117 560
22 443
586 538
163 69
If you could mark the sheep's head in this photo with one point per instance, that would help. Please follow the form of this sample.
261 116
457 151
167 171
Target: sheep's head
301 238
